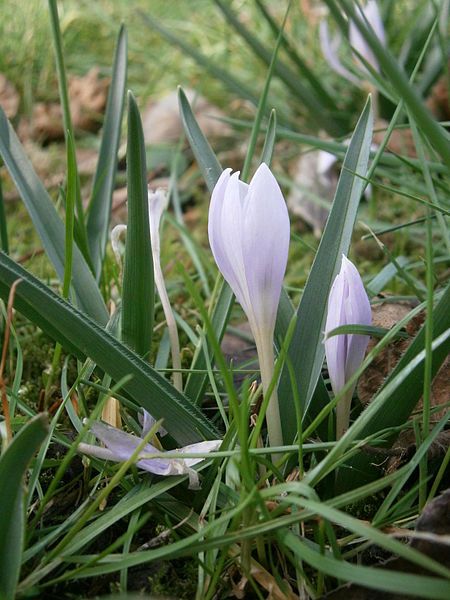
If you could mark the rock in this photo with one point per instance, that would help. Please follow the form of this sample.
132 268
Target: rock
162 124
315 177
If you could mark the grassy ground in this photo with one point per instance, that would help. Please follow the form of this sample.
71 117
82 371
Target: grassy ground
75 546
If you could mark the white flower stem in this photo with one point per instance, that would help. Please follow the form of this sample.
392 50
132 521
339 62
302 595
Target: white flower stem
264 347
177 377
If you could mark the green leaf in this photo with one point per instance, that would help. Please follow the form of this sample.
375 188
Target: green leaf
231 82
13 464
81 336
207 161
80 225
48 223
103 187
378 332
317 111
3 227
138 292
269 142
378 579
306 350
302 66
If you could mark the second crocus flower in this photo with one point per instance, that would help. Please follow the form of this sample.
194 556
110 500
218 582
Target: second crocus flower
348 304
249 236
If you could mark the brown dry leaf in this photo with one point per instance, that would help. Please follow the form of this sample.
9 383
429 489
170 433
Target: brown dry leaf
267 582
161 120
88 95
9 97
46 122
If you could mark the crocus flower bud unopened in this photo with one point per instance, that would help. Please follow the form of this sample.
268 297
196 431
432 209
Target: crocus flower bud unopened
249 236
348 304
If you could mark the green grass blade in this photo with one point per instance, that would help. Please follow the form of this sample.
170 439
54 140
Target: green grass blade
435 133
378 579
231 82
72 187
302 66
307 350
269 142
317 111
13 464
3 225
48 223
81 336
138 291
207 161
103 187
80 225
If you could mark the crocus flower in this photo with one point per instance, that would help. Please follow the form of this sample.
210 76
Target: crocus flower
330 46
348 304
119 446
249 236
157 204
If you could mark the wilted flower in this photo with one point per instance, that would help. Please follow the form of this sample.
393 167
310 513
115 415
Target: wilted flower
119 446
249 237
330 46
348 304
157 204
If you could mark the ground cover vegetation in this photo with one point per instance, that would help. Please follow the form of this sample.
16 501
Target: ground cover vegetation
224 314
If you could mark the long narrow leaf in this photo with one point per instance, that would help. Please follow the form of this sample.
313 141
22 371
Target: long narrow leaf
100 204
317 111
138 295
13 464
81 336
306 350
3 227
48 223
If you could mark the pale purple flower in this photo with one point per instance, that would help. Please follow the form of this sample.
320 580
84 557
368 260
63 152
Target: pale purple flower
119 446
348 304
157 204
330 45
371 15
249 236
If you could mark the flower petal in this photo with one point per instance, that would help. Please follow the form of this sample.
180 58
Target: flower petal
358 312
330 49
201 448
157 204
224 230
266 235
123 444
336 346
